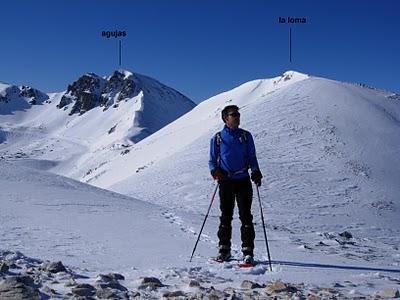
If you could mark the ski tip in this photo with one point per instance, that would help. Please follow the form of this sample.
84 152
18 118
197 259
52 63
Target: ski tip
245 265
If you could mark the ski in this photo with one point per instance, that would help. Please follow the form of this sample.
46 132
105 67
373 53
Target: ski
246 265
239 263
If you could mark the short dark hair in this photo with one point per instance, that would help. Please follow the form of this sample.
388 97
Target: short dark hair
224 112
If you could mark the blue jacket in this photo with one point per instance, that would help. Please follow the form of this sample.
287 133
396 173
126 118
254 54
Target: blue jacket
237 154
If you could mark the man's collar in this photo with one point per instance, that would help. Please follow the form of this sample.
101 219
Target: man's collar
230 130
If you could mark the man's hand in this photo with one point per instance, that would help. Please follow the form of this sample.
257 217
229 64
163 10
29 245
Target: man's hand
256 177
217 174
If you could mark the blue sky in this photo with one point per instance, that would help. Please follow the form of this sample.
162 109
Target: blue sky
200 48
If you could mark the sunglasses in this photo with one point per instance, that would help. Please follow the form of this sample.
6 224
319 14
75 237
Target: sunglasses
234 114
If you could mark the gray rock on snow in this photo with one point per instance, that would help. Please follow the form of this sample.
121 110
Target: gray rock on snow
174 294
110 277
111 294
247 284
84 290
111 285
313 297
216 294
346 235
18 288
108 286
194 283
150 283
279 287
53 267
3 267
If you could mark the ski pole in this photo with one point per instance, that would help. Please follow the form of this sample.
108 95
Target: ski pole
204 222
265 232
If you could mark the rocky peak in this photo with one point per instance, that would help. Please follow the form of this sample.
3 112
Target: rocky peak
122 82
35 96
90 83
91 90
31 95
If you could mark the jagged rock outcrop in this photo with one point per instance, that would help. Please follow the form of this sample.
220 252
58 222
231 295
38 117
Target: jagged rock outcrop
91 90
23 92
35 96
85 94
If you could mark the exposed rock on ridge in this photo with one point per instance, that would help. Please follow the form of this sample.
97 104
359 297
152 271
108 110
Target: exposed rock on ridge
31 95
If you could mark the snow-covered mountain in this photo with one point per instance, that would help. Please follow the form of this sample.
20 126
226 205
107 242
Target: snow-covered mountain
19 98
154 104
329 152
94 117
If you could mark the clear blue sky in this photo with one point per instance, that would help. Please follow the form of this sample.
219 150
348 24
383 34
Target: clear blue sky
200 48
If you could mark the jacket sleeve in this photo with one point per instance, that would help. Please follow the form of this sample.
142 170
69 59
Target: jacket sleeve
252 154
212 163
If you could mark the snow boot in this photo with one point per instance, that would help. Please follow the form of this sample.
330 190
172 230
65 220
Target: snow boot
223 256
248 260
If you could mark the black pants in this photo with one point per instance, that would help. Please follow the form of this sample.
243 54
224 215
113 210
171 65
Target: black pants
243 192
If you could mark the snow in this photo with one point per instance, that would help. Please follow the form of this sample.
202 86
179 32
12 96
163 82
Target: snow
3 87
329 153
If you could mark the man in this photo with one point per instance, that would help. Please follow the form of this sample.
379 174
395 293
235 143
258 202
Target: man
232 153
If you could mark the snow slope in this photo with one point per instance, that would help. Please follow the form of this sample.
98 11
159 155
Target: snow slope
329 152
55 217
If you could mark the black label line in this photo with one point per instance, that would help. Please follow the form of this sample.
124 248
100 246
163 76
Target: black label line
120 52
290 44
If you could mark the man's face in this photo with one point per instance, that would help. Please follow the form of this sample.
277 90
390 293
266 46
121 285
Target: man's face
232 119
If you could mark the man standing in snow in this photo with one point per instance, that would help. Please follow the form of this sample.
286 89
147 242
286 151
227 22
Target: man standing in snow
232 153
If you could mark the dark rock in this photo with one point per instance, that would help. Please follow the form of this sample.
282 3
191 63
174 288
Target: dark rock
346 235
35 96
112 129
338 285
216 294
133 294
110 294
126 151
111 285
313 297
174 294
19 287
110 277
194 283
13 266
106 294
329 291
127 91
150 282
247 284
53 267
90 91
4 267
65 100
24 279
83 289
85 92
